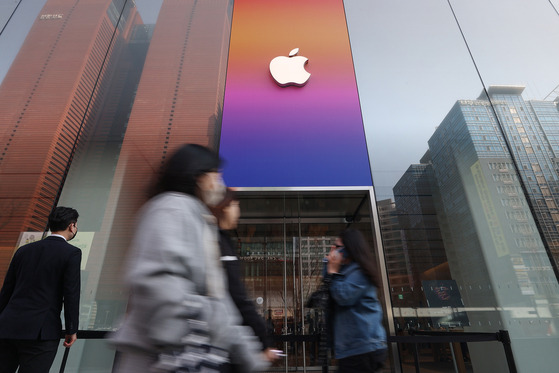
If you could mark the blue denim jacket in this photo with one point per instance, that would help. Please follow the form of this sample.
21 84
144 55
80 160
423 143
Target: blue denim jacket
357 316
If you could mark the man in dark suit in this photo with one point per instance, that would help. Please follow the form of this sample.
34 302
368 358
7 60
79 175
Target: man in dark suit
42 276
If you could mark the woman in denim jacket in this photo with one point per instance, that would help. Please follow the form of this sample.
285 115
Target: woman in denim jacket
359 337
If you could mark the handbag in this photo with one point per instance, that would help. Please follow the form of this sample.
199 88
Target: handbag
320 297
196 356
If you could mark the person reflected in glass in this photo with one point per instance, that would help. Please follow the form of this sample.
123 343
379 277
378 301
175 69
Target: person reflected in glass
228 212
358 335
178 290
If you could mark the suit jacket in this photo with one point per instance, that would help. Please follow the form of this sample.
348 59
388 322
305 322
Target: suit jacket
42 276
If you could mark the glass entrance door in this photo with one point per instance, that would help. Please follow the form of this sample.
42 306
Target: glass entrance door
281 240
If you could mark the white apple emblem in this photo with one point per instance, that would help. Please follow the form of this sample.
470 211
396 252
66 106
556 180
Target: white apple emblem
290 70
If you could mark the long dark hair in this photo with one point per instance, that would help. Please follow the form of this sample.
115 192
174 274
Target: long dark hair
359 251
182 169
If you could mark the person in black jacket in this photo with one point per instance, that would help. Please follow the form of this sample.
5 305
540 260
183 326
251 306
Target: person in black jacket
227 213
42 276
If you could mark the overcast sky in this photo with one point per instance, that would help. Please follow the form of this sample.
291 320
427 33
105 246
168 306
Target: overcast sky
411 63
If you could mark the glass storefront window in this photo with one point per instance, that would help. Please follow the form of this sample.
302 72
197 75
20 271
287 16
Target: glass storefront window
282 238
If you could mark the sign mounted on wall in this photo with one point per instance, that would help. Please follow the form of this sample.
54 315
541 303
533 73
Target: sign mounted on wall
290 70
51 16
292 119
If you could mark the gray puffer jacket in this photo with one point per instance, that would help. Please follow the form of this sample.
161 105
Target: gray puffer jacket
174 274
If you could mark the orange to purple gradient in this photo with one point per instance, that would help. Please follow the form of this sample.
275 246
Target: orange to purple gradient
276 136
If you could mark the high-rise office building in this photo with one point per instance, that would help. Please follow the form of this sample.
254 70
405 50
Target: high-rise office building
414 209
179 99
49 100
415 206
396 253
122 120
483 215
529 137
469 144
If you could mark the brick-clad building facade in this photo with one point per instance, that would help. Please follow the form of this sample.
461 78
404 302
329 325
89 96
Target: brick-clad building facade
47 101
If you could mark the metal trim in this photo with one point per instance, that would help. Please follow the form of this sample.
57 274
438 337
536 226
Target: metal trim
302 189
384 275
276 220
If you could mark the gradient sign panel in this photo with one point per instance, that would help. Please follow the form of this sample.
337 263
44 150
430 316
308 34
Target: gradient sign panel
307 134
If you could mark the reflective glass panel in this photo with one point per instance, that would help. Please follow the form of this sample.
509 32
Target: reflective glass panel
459 110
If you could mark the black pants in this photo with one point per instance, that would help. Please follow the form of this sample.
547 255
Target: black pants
364 363
32 356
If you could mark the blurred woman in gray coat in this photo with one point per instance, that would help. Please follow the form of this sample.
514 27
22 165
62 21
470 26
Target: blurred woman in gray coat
174 274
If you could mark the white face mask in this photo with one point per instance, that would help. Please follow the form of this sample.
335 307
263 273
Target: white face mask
212 190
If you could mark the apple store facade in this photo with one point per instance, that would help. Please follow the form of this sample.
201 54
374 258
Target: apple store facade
432 127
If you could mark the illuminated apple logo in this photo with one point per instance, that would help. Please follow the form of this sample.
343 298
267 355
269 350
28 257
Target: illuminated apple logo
290 70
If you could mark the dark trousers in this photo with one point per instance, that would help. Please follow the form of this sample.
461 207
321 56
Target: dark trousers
32 356
364 363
